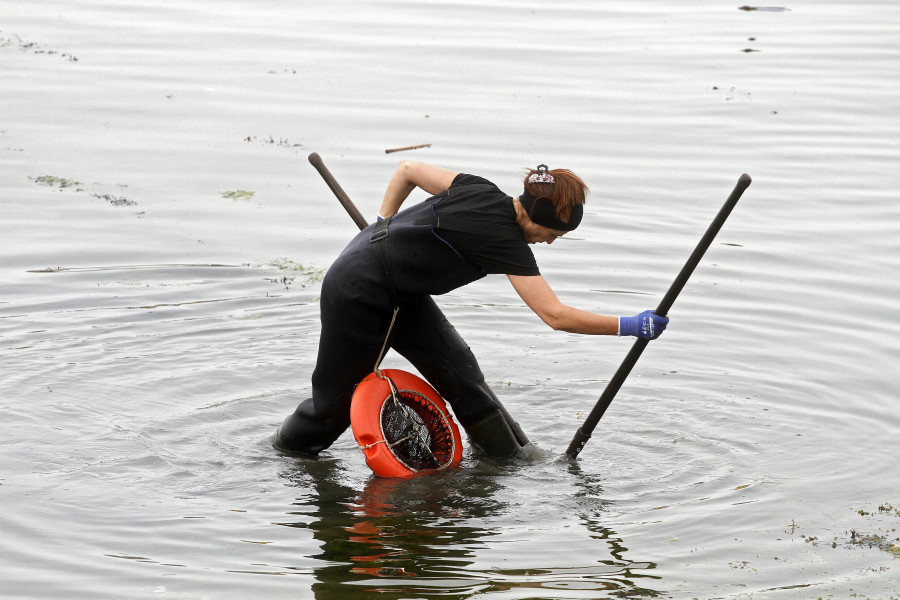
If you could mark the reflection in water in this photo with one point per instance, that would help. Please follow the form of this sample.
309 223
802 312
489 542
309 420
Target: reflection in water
591 505
428 535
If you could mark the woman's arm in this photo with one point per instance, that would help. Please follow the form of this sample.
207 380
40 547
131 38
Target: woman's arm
409 175
540 298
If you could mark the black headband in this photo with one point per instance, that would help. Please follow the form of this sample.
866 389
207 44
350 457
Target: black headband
542 212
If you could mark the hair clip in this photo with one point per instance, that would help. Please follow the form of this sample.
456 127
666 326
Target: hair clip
542 176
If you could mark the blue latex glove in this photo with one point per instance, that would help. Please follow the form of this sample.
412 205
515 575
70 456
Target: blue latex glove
647 325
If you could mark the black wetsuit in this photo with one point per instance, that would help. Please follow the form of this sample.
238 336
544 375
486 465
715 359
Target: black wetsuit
445 242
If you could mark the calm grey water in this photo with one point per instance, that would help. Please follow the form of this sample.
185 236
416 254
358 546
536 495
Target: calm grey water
162 240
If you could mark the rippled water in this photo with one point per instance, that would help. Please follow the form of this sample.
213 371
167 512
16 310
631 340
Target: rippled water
162 241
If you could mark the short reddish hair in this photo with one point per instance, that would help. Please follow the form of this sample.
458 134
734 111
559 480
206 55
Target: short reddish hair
566 191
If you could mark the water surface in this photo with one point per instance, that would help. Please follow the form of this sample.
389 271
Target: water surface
163 239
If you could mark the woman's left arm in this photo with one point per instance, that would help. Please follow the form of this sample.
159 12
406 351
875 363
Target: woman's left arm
409 175
540 298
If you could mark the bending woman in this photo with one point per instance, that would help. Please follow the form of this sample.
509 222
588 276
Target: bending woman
467 229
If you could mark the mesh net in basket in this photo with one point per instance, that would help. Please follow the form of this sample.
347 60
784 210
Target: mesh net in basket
416 431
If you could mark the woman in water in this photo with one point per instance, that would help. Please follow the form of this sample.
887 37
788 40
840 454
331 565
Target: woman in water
378 295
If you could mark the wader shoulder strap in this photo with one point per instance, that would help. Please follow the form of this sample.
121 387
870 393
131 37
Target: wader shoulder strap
381 247
379 241
447 220
467 226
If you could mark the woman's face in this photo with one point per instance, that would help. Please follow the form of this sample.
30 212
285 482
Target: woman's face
535 234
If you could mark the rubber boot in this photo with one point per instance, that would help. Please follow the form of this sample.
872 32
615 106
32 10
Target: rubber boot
493 435
520 436
307 431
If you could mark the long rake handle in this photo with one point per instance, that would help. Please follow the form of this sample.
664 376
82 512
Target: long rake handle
584 432
316 161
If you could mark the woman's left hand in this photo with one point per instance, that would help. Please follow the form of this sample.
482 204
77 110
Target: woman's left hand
647 325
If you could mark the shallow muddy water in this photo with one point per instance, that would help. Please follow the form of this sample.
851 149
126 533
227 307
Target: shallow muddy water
163 239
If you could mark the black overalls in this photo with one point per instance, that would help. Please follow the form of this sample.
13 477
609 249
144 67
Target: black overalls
356 310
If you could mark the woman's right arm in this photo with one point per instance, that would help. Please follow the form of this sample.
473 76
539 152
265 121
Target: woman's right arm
409 175
540 298
536 293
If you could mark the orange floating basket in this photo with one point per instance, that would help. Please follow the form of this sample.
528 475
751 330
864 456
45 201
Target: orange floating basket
402 425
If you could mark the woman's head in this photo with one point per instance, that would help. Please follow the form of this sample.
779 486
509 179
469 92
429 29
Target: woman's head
553 198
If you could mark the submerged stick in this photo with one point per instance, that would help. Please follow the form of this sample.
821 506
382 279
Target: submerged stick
584 432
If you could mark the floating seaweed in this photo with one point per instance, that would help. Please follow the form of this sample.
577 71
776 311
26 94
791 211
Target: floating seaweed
57 182
115 200
13 39
237 195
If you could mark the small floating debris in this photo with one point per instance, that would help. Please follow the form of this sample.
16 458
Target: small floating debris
765 8
54 181
416 147
284 142
14 39
237 195
115 200
63 183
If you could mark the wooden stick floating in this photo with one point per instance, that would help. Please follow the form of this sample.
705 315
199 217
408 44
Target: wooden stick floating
389 150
